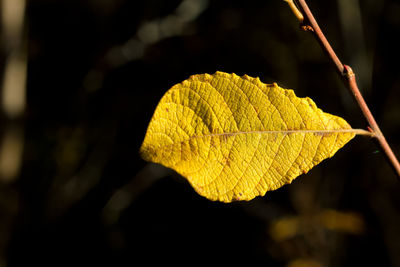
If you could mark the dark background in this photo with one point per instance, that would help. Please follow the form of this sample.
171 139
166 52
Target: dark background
96 71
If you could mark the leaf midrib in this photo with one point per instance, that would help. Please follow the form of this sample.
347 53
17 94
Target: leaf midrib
322 132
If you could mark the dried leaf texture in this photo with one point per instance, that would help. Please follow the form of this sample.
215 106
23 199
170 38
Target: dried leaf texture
235 138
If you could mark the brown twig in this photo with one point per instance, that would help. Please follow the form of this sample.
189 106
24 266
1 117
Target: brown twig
349 78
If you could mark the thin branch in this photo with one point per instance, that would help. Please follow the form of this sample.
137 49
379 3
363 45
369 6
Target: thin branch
349 78
295 10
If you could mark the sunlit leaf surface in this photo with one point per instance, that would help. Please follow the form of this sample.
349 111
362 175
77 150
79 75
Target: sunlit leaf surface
235 138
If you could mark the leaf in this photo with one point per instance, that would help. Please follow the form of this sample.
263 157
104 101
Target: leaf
235 138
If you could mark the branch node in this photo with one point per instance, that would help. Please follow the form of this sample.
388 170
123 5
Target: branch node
306 27
348 71
373 133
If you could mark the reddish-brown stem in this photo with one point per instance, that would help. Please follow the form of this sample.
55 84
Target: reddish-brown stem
349 78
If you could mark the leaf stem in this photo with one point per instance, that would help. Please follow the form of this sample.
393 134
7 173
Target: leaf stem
309 23
364 132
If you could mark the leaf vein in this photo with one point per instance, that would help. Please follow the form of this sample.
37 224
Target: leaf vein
248 165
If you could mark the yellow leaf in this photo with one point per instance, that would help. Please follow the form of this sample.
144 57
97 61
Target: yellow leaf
235 138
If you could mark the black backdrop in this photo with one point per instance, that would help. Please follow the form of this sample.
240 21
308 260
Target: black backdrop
96 71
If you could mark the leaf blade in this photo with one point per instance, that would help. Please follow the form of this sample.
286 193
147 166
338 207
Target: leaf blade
235 138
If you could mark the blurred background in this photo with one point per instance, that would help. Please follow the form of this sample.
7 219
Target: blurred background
80 80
